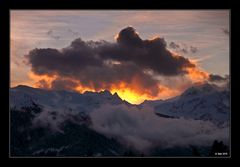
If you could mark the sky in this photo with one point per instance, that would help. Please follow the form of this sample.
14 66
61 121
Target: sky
140 54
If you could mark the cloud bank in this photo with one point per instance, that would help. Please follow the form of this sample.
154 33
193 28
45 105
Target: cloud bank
130 62
143 130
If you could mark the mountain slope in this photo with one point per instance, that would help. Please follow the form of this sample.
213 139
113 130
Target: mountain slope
203 102
61 123
75 102
56 123
74 139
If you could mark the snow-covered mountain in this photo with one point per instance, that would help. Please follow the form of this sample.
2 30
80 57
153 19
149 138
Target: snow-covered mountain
60 123
22 96
50 108
201 102
56 123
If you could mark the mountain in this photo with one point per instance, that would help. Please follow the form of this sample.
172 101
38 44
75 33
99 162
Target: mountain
52 107
21 96
59 122
56 123
74 139
202 102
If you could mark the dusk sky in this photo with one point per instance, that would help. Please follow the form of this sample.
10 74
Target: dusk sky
195 45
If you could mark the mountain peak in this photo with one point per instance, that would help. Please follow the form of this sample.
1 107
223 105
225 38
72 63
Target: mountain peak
88 92
106 92
116 95
22 86
205 88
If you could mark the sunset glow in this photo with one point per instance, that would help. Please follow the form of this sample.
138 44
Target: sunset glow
197 75
128 92
119 83
132 86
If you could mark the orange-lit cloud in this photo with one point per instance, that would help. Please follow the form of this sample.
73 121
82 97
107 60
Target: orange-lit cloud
130 67
196 74
41 81
131 92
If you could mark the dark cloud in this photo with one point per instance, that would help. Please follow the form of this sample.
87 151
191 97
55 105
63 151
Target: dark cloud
129 37
64 84
193 49
223 82
73 32
148 54
50 34
216 78
69 61
174 45
183 48
101 64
